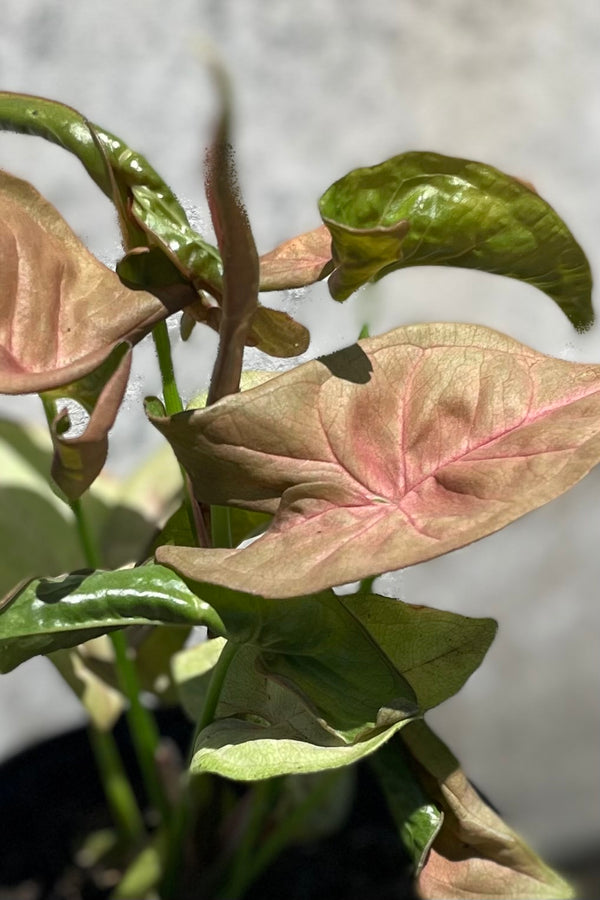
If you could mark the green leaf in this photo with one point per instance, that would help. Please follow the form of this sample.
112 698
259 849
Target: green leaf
313 664
102 702
386 454
264 729
37 531
49 614
474 854
435 651
418 819
421 209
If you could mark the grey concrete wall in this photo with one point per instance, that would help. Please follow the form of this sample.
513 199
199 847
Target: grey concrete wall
323 86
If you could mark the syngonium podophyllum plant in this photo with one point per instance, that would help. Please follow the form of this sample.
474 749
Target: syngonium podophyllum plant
388 453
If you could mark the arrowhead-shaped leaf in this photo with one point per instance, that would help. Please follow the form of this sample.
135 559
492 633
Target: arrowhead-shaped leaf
264 728
298 262
474 854
425 209
49 614
345 670
389 453
61 310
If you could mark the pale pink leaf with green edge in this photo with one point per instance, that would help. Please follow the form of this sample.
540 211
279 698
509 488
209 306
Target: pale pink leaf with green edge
61 310
394 451
474 854
298 262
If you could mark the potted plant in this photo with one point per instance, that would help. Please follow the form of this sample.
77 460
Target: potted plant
402 447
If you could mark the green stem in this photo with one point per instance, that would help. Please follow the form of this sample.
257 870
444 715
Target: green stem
215 687
185 815
142 726
173 405
366 585
144 733
171 396
121 799
87 541
276 840
262 803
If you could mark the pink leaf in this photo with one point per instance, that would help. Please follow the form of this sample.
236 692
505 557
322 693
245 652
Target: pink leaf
394 451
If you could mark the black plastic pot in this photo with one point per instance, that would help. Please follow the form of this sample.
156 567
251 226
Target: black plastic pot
51 797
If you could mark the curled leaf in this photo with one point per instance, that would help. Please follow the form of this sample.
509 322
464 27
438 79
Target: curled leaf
298 262
236 245
425 209
391 452
79 460
149 212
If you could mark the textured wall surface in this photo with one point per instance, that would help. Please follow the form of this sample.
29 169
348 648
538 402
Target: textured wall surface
323 86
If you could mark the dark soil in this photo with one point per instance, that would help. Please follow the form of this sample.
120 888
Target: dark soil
50 796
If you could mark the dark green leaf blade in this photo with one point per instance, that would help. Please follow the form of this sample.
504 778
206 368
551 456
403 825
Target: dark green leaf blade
418 819
49 614
430 209
436 651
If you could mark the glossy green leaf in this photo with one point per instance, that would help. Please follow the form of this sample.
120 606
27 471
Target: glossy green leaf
49 614
418 819
428 209
142 198
474 853
394 451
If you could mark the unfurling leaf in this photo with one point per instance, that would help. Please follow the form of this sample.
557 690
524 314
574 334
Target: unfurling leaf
236 245
425 209
79 460
392 452
298 262
474 853
61 310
